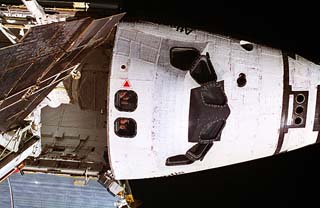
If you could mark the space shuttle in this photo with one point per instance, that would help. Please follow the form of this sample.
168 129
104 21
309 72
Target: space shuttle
116 100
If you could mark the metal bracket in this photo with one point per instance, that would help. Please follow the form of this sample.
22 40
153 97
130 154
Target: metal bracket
30 92
6 32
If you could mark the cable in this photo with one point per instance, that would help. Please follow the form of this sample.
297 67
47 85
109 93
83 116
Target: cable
11 193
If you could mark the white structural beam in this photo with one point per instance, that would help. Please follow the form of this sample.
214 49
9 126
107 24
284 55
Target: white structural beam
36 10
12 38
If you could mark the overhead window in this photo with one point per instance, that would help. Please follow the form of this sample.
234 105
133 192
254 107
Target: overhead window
126 100
125 127
202 70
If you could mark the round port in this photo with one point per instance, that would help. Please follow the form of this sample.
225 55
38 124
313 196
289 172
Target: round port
246 45
123 67
242 80
300 98
299 110
298 121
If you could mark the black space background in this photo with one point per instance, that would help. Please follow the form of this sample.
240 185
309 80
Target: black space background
286 180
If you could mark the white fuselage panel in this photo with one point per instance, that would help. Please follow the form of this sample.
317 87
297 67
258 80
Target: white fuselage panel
304 76
252 129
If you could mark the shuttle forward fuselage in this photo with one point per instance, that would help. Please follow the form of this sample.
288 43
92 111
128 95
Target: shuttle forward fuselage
272 99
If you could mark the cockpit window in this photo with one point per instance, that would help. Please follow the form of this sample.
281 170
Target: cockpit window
126 100
125 127
183 58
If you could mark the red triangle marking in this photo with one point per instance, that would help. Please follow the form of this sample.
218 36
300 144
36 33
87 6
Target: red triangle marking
126 84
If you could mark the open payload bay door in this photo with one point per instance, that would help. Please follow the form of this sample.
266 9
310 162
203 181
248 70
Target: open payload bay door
32 68
46 55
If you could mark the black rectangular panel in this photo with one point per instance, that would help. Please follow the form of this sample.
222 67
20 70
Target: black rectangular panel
316 125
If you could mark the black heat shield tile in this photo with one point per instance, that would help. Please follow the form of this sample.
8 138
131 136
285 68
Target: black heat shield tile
31 69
